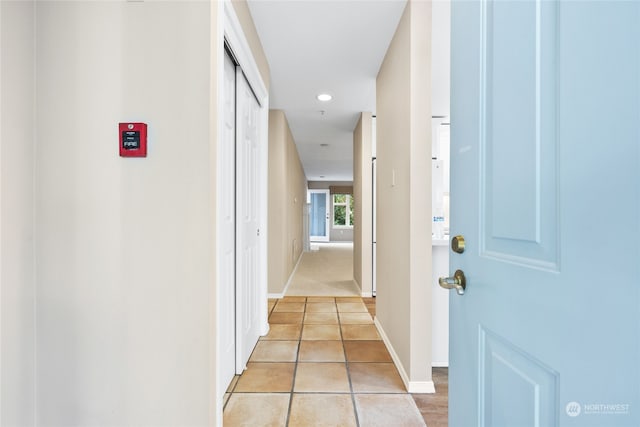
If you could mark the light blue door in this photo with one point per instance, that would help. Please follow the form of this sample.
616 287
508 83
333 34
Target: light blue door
319 216
545 189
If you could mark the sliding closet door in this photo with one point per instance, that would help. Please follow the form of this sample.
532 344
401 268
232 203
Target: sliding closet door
248 216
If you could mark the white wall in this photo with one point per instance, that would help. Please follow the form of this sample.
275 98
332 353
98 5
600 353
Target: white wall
337 234
440 83
17 285
441 57
125 255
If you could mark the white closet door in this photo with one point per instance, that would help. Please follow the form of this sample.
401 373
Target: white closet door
226 230
248 215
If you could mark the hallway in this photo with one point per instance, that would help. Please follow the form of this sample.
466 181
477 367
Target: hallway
327 270
322 363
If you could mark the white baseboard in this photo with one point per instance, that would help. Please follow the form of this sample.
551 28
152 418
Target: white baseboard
286 286
440 364
411 386
422 387
264 330
363 294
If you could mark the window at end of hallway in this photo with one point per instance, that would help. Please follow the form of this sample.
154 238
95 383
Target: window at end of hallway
343 210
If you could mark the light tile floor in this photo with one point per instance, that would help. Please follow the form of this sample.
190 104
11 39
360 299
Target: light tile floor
322 364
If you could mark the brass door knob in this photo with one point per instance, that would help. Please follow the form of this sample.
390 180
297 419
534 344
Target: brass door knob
457 282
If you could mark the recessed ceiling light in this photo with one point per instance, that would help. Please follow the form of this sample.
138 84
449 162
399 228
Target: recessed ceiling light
321 176
324 145
324 97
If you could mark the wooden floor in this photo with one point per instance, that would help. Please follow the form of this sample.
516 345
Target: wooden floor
434 407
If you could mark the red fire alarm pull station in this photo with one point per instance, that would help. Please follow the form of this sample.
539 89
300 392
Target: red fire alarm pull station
133 139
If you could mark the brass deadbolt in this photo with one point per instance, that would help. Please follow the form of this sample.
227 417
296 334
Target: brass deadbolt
457 244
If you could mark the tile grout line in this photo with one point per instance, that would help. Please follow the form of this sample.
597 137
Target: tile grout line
295 367
297 361
236 378
346 362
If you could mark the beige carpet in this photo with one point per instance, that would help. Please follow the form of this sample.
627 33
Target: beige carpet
327 271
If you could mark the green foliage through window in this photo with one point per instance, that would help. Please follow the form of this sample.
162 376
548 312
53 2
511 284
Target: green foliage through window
343 210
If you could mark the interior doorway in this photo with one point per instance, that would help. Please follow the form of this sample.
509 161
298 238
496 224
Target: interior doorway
319 215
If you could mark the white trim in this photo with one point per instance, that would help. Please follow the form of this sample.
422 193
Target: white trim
1 246
422 387
237 41
411 386
217 83
363 294
235 38
286 286
263 191
347 211
234 35
275 296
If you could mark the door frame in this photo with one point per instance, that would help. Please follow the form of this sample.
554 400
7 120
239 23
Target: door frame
228 30
227 352
328 215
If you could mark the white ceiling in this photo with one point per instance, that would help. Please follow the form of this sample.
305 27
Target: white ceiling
320 46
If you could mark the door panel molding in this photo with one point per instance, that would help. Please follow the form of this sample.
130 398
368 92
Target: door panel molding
533 330
515 389
518 122
248 257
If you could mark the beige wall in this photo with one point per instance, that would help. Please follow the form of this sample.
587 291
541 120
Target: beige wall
124 252
125 248
287 199
403 204
324 185
362 191
17 248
